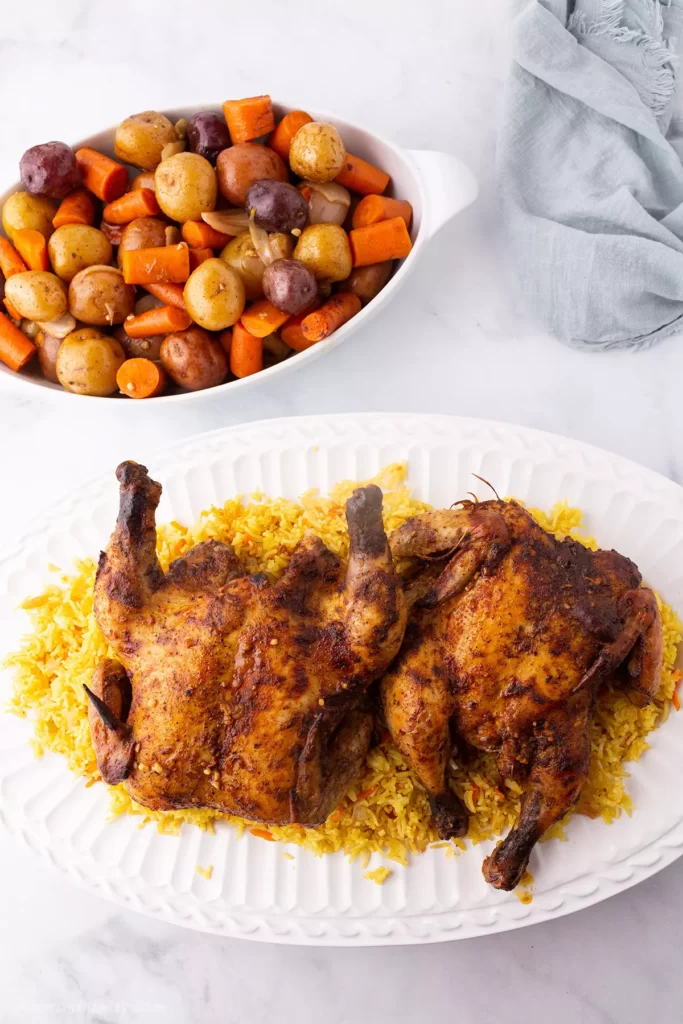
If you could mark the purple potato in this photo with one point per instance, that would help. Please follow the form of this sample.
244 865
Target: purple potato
277 206
49 170
207 135
289 285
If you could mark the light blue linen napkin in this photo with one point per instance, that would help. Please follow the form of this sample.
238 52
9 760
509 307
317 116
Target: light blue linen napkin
589 168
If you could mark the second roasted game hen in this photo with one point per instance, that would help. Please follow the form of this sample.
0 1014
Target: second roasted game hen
511 635
232 692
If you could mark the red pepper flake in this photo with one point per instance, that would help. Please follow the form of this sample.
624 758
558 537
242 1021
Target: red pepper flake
475 793
366 793
262 833
676 701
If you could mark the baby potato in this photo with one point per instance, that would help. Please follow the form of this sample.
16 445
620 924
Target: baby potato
185 186
48 346
142 233
23 210
98 295
135 348
141 137
87 362
317 152
214 295
76 246
37 295
325 249
368 281
193 359
240 166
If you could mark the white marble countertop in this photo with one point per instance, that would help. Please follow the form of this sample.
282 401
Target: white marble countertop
454 341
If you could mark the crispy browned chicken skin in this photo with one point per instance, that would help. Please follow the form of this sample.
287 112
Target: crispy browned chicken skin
511 635
231 692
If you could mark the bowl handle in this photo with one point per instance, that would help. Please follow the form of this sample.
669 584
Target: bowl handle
449 184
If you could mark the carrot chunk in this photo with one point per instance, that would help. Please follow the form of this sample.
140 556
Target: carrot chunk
76 208
198 256
199 235
159 264
331 315
387 240
15 347
10 260
281 139
140 378
32 248
292 334
170 294
362 177
246 352
262 318
249 118
140 203
103 176
372 209
159 320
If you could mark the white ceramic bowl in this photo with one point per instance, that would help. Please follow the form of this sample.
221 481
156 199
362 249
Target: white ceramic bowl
437 185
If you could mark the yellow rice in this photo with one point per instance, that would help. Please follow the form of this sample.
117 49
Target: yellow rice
385 810
378 876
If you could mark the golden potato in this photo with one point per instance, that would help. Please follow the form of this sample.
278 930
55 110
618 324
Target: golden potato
76 246
23 210
317 152
325 249
185 186
214 295
36 294
87 362
98 295
141 138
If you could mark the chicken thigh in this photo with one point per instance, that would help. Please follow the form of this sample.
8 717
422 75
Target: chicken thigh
232 692
510 636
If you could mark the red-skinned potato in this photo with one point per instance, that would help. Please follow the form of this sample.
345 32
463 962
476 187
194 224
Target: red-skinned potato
240 166
193 359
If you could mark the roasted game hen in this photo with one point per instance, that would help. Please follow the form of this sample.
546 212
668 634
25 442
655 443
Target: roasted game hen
232 692
510 637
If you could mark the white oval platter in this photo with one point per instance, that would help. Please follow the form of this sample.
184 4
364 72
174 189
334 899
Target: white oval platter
255 892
